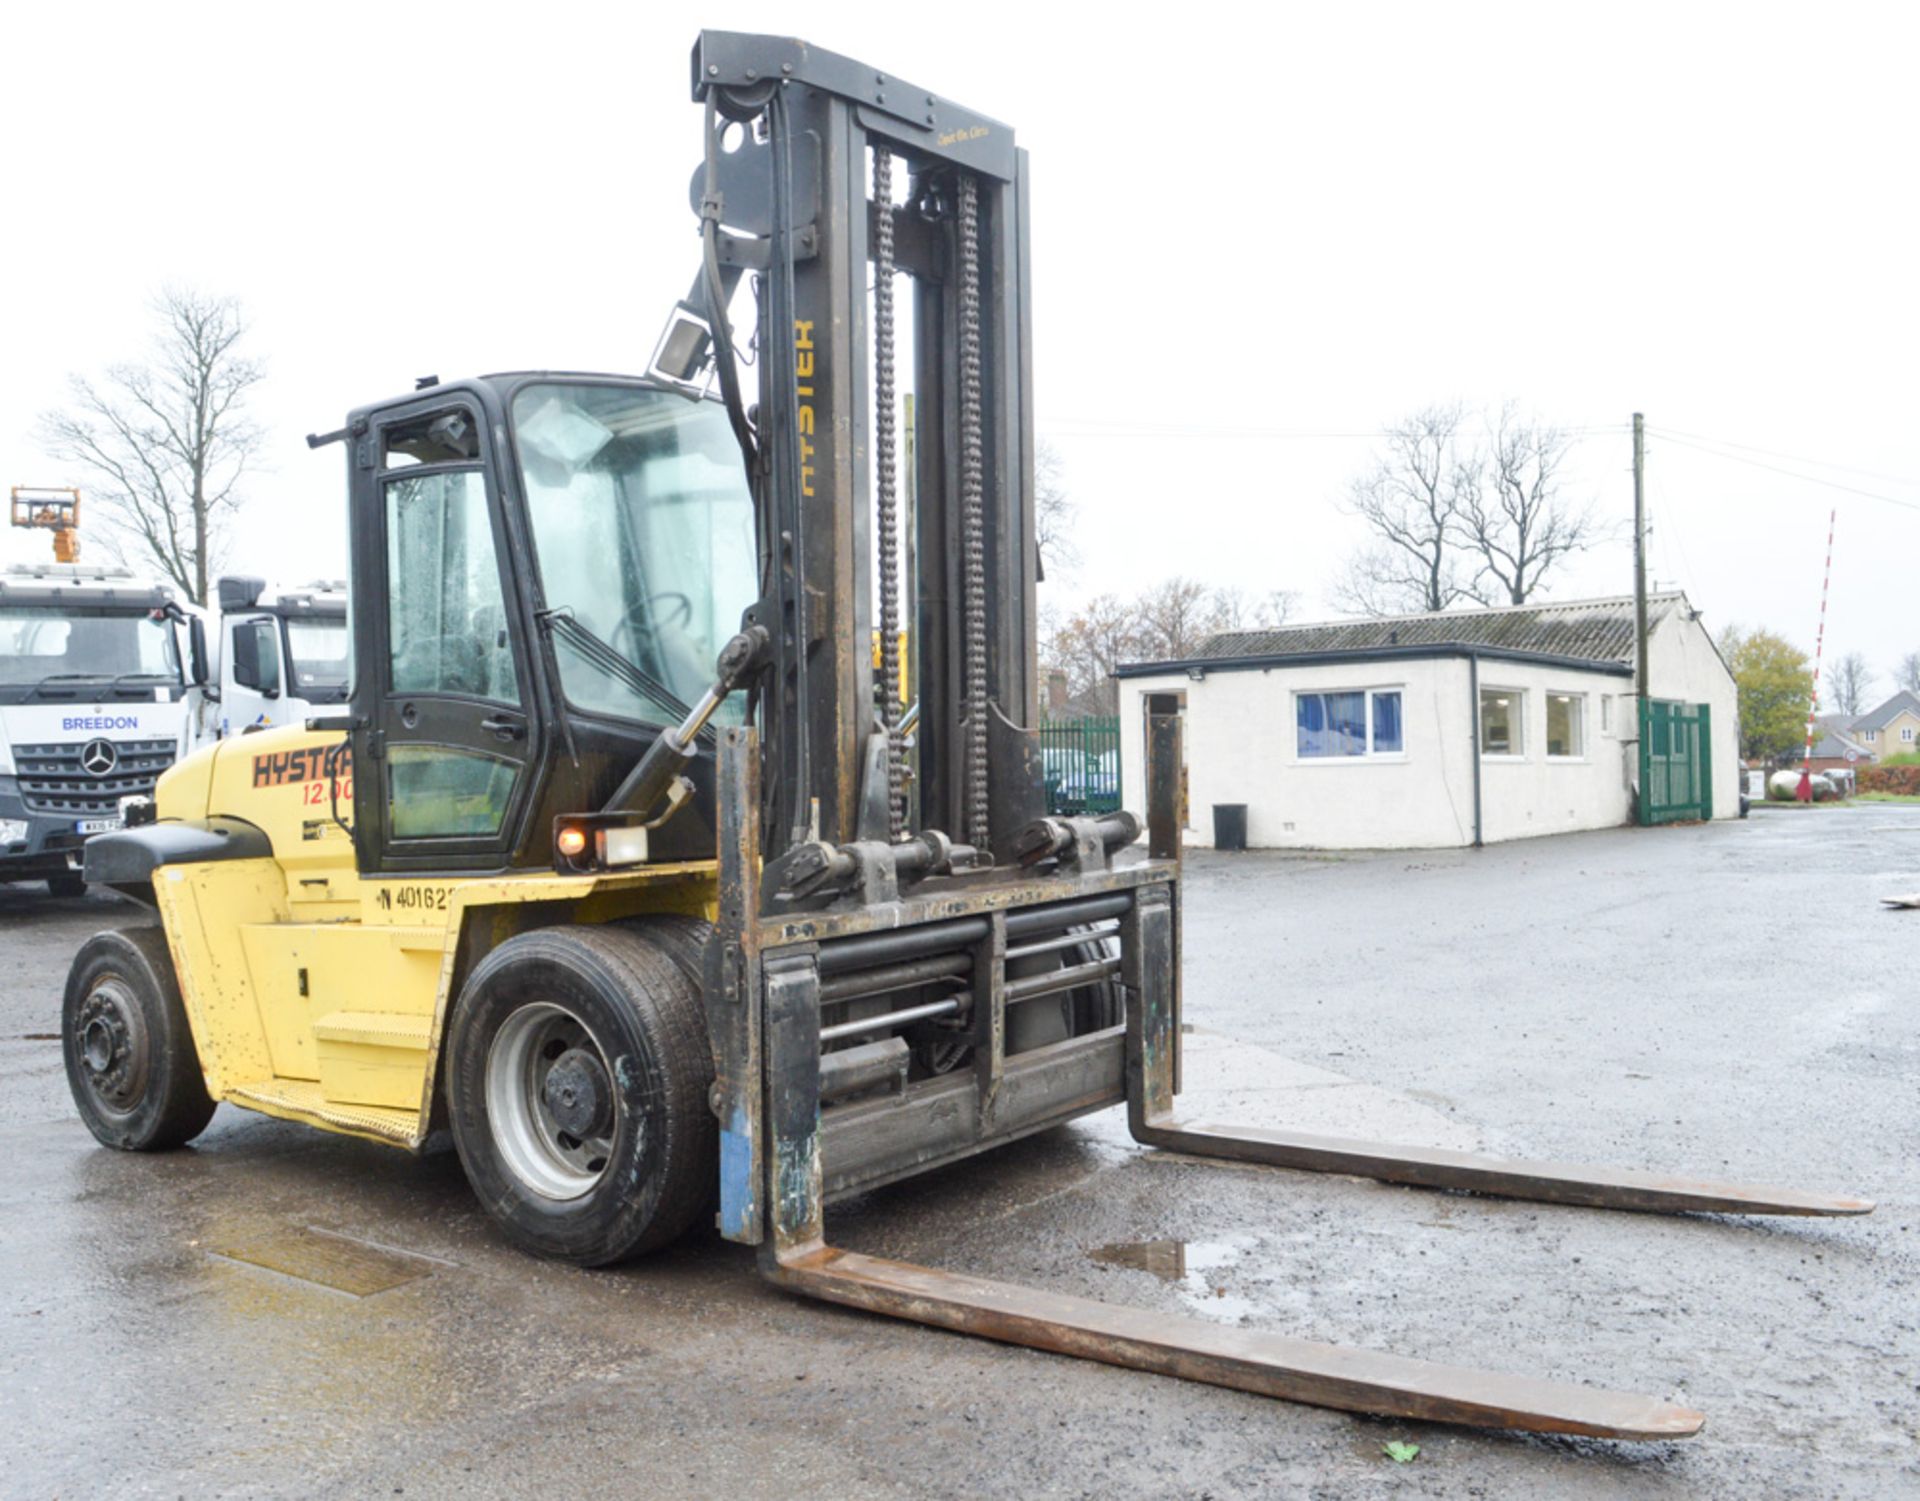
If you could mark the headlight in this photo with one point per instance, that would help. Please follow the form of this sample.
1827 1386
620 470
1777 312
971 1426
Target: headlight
12 830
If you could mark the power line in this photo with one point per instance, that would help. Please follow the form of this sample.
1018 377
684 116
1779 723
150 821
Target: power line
1072 427
1794 458
1811 479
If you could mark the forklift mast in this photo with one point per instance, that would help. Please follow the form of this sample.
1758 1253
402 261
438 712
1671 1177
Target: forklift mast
826 178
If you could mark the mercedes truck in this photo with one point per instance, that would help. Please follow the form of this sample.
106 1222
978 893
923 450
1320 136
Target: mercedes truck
99 672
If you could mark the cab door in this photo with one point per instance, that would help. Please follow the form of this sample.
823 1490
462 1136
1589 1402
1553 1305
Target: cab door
445 737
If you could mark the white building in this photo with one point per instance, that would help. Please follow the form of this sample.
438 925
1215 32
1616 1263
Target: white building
1422 731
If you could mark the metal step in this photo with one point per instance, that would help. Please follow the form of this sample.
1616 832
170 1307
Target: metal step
1272 1365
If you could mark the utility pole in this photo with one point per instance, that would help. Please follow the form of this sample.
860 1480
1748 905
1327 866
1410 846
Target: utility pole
1640 565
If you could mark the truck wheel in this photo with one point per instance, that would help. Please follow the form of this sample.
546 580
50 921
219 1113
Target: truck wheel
130 1056
578 1071
66 885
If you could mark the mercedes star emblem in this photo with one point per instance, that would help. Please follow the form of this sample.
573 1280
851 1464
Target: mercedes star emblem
99 757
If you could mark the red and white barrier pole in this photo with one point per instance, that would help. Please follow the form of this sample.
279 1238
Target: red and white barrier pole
1805 790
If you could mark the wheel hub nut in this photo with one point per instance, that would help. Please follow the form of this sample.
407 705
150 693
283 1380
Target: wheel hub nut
579 1094
98 1045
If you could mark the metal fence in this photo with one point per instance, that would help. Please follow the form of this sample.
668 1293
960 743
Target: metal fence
1676 762
1081 761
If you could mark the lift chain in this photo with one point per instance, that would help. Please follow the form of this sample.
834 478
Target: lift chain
973 513
889 527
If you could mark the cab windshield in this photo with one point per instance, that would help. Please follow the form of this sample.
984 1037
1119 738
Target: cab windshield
73 652
643 526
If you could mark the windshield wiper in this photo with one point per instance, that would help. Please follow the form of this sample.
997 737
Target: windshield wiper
610 661
166 677
45 685
115 683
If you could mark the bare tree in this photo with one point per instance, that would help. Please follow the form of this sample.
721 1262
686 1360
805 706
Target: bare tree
1852 681
1413 503
1170 622
1175 618
1094 639
167 442
1234 611
1512 516
1907 674
1055 512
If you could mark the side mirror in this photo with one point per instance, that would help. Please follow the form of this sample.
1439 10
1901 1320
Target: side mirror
256 658
196 651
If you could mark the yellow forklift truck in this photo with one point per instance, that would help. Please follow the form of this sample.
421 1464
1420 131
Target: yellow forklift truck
625 868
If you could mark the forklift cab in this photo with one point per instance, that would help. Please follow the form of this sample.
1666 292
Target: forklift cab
547 565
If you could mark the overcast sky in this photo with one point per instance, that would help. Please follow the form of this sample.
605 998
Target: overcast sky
1259 235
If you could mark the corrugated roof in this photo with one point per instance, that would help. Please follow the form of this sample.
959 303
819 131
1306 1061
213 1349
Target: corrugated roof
1593 630
1882 716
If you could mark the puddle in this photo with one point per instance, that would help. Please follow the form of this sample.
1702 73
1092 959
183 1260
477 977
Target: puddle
1166 1259
335 1261
1196 1268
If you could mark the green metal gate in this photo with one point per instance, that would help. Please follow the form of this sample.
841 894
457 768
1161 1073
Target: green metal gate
1676 762
1081 761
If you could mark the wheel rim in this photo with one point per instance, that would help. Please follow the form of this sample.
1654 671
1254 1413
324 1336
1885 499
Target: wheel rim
551 1105
110 1034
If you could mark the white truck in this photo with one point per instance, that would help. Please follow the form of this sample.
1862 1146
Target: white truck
100 673
280 656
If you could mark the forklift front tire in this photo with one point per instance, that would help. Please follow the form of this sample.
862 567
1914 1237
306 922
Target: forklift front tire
578 1071
130 1056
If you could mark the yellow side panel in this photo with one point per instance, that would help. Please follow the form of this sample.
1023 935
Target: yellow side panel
203 908
373 1058
356 1074
182 789
283 781
305 971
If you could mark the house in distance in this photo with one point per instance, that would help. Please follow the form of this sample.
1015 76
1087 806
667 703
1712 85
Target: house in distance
1425 731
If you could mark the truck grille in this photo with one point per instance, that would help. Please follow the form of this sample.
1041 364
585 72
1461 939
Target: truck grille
52 779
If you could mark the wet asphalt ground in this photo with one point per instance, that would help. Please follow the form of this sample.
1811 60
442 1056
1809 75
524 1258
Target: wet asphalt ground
278 1312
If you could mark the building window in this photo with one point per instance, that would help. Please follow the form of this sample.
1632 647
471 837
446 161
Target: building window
1906 733
1502 714
1353 723
1869 735
1566 724
1606 713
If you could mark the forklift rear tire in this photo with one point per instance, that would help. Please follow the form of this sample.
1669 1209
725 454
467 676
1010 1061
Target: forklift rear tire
578 1072
131 1061
66 885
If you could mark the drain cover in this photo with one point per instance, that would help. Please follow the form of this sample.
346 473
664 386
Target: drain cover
335 1261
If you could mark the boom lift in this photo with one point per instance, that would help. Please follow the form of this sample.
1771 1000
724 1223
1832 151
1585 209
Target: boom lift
50 508
653 935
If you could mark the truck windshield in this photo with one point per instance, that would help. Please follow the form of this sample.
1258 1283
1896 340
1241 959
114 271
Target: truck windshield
644 530
317 647
73 646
